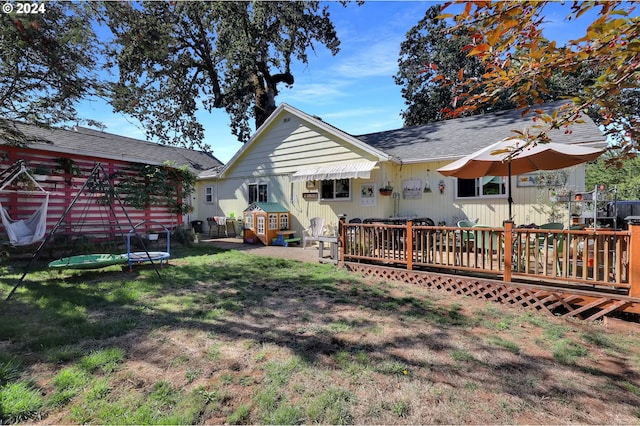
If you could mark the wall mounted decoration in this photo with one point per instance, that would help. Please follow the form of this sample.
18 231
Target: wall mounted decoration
412 189
368 194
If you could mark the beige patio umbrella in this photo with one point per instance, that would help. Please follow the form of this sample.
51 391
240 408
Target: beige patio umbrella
503 159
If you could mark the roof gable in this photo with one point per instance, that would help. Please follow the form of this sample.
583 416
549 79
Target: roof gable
314 122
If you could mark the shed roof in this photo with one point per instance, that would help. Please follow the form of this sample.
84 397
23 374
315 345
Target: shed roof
455 138
95 143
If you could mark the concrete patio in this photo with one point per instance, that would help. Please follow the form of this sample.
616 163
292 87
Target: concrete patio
310 254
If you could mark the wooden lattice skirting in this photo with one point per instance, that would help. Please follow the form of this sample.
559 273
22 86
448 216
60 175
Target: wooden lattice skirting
581 304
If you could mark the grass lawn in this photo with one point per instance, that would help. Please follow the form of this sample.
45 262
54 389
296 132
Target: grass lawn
228 337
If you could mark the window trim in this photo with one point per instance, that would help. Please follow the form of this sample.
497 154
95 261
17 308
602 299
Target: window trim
212 188
257 185
334 199
483 196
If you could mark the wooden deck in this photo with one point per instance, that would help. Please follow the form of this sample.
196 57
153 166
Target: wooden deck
576 271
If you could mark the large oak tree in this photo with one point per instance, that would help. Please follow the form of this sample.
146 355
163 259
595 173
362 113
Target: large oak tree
176 58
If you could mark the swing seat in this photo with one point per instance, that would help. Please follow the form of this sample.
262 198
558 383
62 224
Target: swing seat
22 232
88 261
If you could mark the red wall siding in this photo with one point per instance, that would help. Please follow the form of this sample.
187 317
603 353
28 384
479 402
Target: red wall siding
87 215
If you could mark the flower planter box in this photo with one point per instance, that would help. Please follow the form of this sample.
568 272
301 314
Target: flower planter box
310 196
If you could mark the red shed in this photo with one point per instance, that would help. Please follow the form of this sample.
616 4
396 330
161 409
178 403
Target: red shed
61 161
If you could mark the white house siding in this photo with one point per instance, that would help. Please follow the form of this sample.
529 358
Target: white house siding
288 145
446 207
291 143
231 198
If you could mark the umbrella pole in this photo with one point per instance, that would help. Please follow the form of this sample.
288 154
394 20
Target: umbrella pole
509 199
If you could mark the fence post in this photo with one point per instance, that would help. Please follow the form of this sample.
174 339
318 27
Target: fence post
409 245
341 243
634 253
508 250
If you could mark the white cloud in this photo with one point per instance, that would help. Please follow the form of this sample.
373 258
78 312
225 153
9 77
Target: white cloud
377 59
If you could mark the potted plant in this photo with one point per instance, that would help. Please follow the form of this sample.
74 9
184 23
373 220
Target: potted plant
40 173
386 190
152 235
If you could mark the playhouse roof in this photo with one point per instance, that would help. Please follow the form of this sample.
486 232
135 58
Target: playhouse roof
266 207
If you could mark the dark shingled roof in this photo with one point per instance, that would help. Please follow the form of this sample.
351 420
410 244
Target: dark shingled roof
462 136
99 144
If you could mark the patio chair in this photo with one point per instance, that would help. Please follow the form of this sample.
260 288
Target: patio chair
545 242
467 237
315 230
488 241
221 222
424 241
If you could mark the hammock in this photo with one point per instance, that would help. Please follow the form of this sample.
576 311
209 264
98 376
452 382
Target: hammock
22 232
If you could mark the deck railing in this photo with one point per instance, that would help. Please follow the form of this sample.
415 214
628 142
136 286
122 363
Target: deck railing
581 257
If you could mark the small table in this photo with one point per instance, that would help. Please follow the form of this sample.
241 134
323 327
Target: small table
285 238
333 249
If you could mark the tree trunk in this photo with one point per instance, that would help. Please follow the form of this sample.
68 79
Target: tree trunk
266 96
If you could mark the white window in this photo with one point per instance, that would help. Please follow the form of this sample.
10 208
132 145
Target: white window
209 194
258 193
339 189
248 221
486 186
284 221
260 225
273 221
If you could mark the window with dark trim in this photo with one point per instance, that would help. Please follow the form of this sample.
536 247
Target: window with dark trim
339 189
486 186
209 194
258 192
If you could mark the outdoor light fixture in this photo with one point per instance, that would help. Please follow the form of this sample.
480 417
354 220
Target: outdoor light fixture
441 186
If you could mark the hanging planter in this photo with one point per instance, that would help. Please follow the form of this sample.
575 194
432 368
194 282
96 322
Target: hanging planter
310 196
386 190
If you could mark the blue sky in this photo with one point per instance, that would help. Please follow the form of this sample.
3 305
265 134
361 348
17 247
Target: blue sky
353 90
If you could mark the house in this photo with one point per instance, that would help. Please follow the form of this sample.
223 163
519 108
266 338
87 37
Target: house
64 159
317 170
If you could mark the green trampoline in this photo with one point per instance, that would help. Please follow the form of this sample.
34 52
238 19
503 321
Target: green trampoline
89 261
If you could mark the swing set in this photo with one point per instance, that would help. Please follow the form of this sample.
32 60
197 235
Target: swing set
97 189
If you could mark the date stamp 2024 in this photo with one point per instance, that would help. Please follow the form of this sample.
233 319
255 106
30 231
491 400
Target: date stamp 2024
24 8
